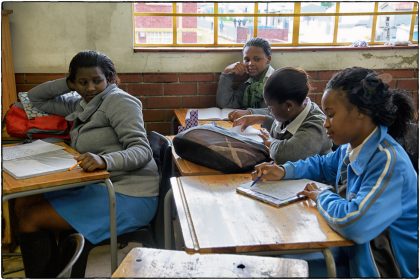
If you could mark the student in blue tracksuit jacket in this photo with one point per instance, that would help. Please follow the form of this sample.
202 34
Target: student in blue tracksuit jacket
375 200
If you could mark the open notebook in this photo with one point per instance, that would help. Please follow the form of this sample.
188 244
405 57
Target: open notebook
35 159
212 113
277 193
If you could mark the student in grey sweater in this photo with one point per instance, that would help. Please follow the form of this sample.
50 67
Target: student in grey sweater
241 84
297 130
109 134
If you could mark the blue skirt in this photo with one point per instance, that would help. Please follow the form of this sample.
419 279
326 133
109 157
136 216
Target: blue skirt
86 209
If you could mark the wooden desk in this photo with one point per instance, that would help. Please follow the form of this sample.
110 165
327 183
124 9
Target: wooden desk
13 188
181 113
215 219
154 263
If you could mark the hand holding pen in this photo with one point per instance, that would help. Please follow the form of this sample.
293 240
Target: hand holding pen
268 171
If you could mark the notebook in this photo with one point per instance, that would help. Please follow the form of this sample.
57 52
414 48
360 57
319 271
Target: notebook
250 132
35 159
212 113
277 193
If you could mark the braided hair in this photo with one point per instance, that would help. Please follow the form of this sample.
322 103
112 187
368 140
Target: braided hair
365 90
259 42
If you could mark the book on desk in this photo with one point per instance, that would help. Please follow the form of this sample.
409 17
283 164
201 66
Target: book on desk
212 113
277 193
35 159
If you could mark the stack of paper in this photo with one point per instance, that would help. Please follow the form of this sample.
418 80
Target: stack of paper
35 159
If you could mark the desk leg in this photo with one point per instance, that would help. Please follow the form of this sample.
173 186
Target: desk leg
167 212
329 260
112 225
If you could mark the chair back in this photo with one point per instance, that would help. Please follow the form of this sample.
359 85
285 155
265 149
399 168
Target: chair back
162 153
410 143
74 244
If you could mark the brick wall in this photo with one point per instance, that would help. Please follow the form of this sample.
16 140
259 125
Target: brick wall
163 92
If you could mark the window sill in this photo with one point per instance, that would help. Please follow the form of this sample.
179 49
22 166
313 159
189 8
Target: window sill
274 49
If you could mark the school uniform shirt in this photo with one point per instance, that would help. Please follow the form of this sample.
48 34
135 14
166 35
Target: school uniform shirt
303 137
110 125
379 212
229 97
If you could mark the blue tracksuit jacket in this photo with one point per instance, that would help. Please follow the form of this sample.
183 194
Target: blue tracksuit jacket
380 211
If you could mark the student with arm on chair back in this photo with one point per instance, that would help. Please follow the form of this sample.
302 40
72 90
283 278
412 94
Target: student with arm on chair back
108 132
375 200
296 123
241 83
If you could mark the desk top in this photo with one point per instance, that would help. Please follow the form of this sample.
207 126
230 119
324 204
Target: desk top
77 175
181 113
216 219
154 263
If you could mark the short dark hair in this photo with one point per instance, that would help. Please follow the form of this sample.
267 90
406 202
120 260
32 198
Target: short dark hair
91 58
259 42
287 83
364 89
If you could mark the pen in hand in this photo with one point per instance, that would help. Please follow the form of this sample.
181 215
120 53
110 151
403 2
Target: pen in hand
255 181
74 165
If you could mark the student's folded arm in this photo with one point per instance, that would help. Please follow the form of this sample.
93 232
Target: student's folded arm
227 96
48 97
127 120
375 206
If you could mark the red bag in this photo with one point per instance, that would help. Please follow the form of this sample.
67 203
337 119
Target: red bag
18 125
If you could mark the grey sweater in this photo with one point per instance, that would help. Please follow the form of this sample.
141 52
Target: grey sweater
230 97
309 139
110 125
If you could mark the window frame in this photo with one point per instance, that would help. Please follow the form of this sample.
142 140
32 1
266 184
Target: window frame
296 23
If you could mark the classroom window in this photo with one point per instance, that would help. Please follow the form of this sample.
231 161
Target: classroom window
222 24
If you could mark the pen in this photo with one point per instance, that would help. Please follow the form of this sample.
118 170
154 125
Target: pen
74 165
255 181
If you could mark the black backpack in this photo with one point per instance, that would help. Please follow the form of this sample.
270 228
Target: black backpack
218 148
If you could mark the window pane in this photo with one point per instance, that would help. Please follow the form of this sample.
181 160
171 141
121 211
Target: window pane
317 7
235 31
195 30
236 8
416 30
395 6
276 29
153 7
316 29
354 7
195 8
275 8
353 28
393 28
153 30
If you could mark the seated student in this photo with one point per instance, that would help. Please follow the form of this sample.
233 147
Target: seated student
109 134
297 129
241 83
375 200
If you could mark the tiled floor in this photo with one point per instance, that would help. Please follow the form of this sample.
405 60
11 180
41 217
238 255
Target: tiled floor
98 265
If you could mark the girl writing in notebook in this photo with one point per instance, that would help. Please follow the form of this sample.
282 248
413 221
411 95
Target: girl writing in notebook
109 134
296 123
241 83
375 200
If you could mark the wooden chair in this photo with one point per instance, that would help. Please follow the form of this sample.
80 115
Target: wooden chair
157 263
151 235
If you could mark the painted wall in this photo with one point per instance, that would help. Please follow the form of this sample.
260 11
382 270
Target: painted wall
45 36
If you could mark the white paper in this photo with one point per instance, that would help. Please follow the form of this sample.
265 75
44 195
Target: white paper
50 162
283 189
212 113
249 132
30 149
